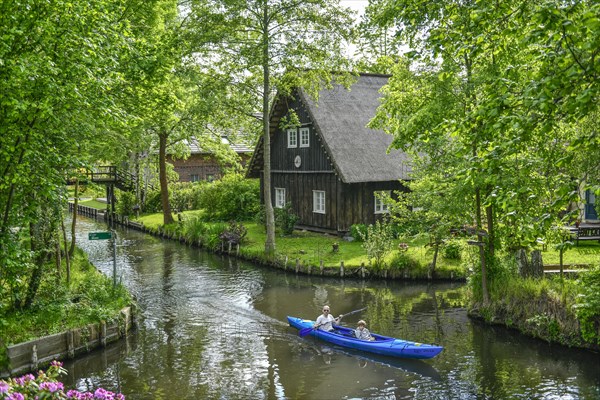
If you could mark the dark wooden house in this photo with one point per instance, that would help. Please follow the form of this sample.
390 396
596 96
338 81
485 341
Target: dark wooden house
332 167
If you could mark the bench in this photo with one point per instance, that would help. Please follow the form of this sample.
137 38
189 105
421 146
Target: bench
587 233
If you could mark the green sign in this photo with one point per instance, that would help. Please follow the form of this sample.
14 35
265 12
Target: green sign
99 235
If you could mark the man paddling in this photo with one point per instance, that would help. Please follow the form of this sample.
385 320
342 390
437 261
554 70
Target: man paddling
325 321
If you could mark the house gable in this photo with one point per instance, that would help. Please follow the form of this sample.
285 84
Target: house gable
301 157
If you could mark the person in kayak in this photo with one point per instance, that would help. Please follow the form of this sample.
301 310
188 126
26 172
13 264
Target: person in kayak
361 331
325 321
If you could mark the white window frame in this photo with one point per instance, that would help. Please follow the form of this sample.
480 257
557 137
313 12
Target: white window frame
304 134
292 138
380 206
279 197
319 201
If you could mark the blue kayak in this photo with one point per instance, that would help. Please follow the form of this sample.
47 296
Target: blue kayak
384 345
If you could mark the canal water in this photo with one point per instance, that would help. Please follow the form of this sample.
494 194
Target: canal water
213 327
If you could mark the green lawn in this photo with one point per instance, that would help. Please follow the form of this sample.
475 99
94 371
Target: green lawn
93 203
310 248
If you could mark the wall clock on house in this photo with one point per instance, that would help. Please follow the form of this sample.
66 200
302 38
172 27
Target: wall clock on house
297 161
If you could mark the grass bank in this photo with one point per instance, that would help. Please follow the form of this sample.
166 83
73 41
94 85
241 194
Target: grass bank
90 298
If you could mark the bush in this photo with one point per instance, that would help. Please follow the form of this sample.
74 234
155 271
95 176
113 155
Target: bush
202 233
153 203
403 261
285 219
186 195
231 198
378 242
452 249
234 234
125 203
358 232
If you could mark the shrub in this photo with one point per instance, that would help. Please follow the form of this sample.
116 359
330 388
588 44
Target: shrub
403 261
378 242
234 233
186 195
588 305
231 198
125 203
285 219
452 249
358 232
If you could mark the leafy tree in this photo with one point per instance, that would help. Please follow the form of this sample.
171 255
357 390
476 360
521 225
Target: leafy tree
274 46
485 88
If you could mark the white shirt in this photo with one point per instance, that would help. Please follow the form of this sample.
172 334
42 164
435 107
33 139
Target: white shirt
325 322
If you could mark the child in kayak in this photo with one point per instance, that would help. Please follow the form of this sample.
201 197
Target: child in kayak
361 331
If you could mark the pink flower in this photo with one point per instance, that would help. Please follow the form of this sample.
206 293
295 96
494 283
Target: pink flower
4 387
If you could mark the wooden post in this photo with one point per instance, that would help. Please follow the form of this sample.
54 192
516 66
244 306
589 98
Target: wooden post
309 269
103 333
70 344
342 268
362 270
34 357
321 267
297 264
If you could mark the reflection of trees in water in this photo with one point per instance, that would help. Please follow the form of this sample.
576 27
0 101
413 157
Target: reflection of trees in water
413 314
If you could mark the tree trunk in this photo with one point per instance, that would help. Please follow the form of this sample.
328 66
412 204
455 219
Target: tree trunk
433 264
484 288
67 258
57 255
74 222
270 217
522 263
537 265
164 185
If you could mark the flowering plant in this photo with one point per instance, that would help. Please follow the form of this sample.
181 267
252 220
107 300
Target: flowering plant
46 386
403 247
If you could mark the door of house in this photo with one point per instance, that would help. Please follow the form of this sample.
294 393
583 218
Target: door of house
590 205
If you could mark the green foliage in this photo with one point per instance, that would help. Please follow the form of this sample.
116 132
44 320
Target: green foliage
285 219
153 202
452 249
203 233
186 196
403 261
234 234
89 299
378 242
125 203
588 305
359 231
231 198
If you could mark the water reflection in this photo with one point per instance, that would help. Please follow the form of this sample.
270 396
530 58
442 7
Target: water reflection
212 327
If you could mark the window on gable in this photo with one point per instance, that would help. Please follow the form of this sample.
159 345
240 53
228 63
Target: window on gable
280 197
292 136
319 201
380 201
304 137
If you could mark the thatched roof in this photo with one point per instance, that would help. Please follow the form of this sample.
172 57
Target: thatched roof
340 118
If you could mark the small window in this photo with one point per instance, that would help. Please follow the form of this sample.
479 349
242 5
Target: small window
304 137
319 201
279 197
381 206
292 135
195 177
210 178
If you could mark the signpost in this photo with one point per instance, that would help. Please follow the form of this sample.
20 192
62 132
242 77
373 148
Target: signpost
104 236
99 235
